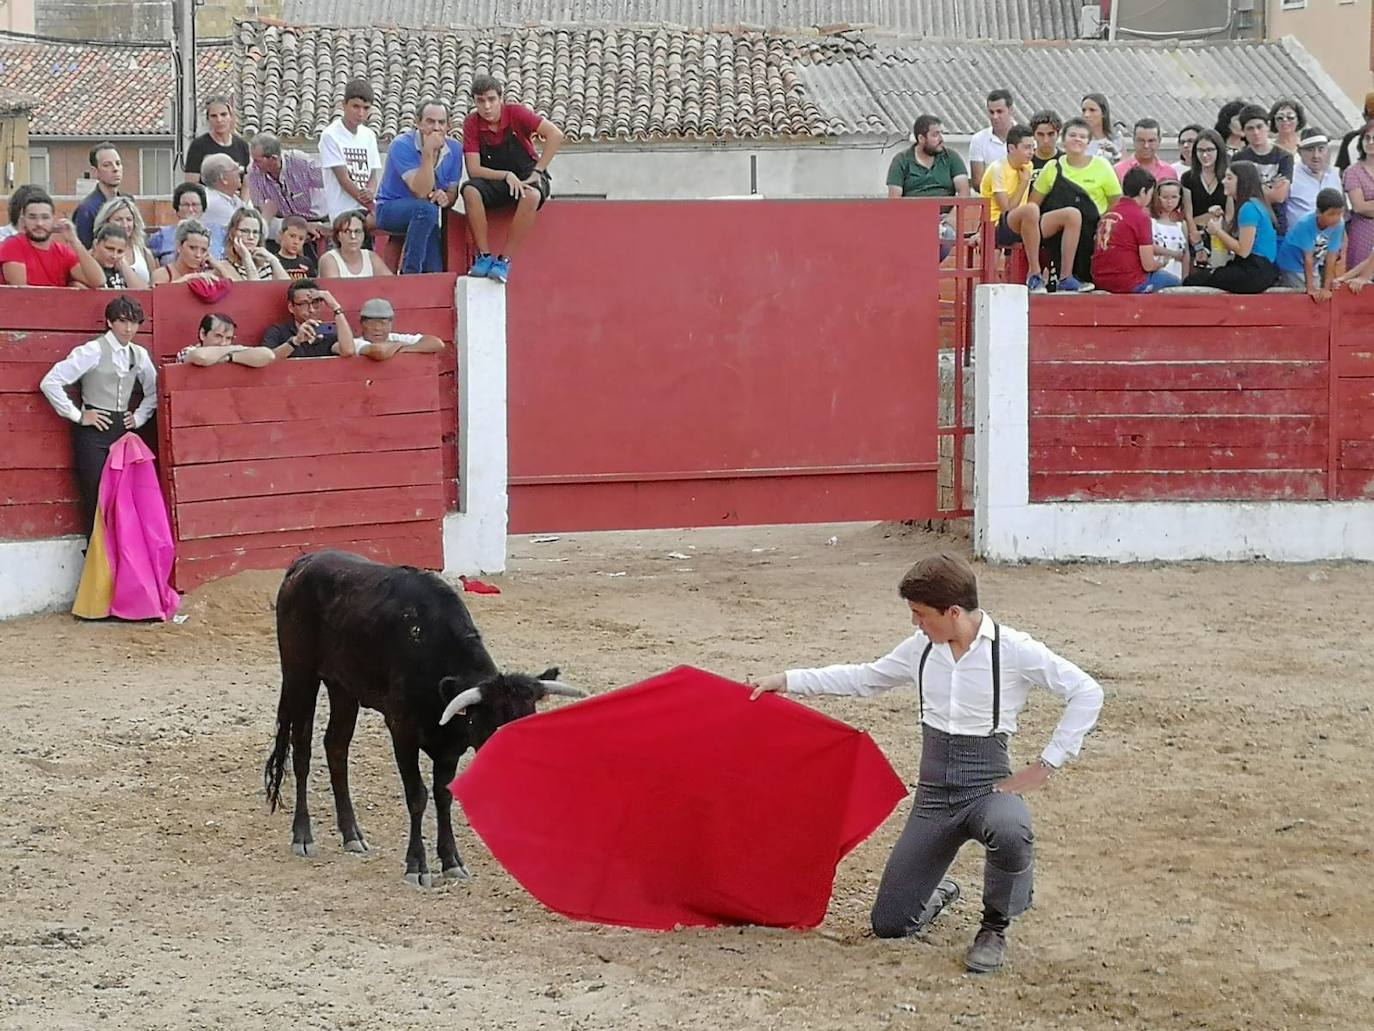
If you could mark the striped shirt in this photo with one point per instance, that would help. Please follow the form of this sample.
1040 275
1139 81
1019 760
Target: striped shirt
292 192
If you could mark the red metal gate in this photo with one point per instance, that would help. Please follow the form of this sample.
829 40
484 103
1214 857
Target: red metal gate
703 363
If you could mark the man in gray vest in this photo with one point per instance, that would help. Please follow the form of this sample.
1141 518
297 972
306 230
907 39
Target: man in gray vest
972 677
107 369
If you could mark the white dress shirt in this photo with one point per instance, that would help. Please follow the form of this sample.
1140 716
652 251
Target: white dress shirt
985 148
85 358
958 695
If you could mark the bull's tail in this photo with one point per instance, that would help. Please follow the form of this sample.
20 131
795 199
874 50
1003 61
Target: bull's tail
275 769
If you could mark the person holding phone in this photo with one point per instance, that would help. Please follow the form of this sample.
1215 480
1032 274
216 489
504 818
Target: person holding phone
106 370
318 327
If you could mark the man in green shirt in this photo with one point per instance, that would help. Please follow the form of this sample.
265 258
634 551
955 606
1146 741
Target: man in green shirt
927 169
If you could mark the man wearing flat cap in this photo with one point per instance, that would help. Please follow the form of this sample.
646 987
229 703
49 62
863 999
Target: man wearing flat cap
1311 174
378 339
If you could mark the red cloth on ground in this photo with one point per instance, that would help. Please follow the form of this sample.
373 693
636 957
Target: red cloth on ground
678 801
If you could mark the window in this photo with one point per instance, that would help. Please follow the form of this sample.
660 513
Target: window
155 171
1292 5
39 173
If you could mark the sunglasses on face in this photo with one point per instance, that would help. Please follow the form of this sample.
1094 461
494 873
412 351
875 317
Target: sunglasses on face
1286 117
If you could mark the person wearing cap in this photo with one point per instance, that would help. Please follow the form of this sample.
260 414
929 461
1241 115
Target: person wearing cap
379 341
1312 174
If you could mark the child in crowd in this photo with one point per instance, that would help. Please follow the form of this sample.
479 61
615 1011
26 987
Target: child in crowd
1312 255
1124 256
1170 228
291 248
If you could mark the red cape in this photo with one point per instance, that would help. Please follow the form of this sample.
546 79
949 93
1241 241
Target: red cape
677 801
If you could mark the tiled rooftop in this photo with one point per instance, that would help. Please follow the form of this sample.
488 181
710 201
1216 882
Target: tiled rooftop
949 19
627 84
659 84
12 101
87 91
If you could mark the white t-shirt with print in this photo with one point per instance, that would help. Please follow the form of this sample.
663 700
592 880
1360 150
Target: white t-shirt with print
357 152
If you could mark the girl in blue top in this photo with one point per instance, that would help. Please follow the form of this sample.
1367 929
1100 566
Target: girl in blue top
1251 239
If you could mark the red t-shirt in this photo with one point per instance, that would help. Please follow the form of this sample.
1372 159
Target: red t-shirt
477 131
51 267
1121 233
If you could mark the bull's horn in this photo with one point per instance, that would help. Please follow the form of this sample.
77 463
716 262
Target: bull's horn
560 688
471 696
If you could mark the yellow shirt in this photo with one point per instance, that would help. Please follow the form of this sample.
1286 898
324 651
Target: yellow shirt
1097 178
1001 177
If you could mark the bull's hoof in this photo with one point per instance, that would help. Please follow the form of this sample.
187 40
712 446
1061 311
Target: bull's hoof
357 845
304 849
420 880
457 873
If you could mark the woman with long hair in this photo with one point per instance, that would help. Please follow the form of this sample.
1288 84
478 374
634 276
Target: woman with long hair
1249 236
350 259
193 259
1203 193
1359 187
1102 139
1228 125
248 258
1286 120
123 212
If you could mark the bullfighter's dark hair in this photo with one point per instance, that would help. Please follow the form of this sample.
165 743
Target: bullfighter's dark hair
124 309
941 581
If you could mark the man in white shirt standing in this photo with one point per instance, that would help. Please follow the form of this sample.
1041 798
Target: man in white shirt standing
990 144
219 174
107 369
972 678
349 157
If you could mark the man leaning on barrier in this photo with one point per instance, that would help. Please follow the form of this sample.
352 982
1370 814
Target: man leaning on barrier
318 326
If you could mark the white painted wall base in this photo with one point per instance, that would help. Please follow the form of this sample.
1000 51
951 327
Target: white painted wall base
39 576
475 536
1008 527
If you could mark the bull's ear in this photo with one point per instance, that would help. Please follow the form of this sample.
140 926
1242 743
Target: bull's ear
448 689
549 674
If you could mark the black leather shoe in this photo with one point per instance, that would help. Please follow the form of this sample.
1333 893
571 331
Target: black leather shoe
987 953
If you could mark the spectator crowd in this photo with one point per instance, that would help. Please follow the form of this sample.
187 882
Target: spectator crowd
1259 200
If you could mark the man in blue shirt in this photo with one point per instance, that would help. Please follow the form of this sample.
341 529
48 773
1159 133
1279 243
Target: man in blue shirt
109 174
423 168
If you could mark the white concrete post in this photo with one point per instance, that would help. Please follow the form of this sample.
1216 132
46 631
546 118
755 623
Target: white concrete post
475 536
1001 469
36 576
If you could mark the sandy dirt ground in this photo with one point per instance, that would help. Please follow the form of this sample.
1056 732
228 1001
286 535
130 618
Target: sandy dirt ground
1205 864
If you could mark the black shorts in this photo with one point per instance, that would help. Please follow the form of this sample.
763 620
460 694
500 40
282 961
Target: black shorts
1005 236
496 194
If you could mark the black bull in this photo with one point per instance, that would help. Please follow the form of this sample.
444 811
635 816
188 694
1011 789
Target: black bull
400 641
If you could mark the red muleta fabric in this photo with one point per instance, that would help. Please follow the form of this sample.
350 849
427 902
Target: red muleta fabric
677 801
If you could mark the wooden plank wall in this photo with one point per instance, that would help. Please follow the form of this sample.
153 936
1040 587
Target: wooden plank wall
39 327
424 304
1180 398
1352 368
267 464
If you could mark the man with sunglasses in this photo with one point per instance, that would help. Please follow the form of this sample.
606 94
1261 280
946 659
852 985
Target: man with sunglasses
318 327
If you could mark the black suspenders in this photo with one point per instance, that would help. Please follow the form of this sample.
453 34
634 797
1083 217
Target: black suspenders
996 678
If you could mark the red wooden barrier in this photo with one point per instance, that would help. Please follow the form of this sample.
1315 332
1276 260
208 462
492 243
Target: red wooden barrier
1201 397
267 464
699 363
39 327
423 304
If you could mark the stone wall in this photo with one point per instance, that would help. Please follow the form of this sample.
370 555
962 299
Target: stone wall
141 20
